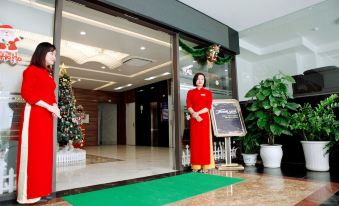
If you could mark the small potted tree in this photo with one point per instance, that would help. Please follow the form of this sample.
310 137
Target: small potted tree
269 112
250 146
319 129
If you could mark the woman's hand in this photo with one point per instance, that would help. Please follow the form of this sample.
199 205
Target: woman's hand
195 114
55 110
51 108
198 118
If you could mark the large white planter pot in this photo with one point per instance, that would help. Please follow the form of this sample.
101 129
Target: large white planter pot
271 155
249 159
315 155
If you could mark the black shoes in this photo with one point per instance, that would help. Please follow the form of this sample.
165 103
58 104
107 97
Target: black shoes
45 199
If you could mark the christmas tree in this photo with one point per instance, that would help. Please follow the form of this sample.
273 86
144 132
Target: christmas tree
69 123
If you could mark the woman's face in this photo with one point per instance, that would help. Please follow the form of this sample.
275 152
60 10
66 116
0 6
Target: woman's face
50 58
200 81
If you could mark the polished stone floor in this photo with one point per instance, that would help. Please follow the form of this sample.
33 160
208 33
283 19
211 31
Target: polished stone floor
114 163
288 185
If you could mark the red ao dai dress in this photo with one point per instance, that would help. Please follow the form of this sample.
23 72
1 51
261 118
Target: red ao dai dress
35 148
200 132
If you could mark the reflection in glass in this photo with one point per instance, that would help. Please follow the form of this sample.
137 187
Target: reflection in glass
218 80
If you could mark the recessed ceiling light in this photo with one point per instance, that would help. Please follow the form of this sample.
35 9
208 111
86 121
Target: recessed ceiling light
149 78
128 85
142 48
166 73
82 33
103 67
79 80
118 88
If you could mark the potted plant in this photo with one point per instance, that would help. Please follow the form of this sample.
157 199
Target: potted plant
250 147
269 112
319 128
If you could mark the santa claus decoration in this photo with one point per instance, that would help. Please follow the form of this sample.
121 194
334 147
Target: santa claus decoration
8 48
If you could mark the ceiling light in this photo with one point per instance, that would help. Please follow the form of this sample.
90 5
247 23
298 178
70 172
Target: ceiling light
82 33
166 73
118 88
149 78
103 67
152 88
79 80
142 48
81 54
128 85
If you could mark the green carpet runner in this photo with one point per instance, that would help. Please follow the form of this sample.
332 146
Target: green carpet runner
155 192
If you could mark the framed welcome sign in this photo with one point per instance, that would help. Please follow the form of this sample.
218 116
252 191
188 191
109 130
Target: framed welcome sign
227 119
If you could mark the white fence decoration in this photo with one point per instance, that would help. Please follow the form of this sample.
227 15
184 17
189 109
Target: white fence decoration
7 181
70 156
218 152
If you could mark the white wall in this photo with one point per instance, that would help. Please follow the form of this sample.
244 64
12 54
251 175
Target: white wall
251 73
244 77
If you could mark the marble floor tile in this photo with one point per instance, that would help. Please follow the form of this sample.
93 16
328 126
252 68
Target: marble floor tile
111 166
115 163
263 190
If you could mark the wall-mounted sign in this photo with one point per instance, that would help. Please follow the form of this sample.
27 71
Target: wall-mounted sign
8 49
227 119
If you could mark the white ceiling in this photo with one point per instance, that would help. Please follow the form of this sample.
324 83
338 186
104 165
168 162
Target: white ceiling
244 14
313 30
271 28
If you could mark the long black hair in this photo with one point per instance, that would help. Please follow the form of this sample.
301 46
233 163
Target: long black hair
39 55
195 78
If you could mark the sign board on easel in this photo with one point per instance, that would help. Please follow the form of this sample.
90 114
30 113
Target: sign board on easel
227 122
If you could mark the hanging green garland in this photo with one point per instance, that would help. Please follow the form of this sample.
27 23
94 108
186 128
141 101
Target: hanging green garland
207 55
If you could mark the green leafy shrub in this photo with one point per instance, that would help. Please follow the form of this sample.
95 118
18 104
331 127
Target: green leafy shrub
270 108
318 123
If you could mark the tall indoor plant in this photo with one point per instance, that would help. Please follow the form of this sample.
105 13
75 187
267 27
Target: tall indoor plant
269 112
319 128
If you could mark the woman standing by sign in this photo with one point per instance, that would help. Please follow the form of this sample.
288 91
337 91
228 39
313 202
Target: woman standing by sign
198 103
35 152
